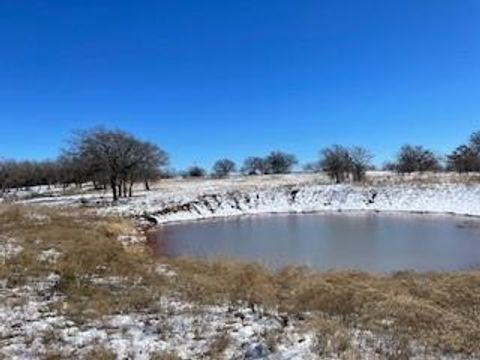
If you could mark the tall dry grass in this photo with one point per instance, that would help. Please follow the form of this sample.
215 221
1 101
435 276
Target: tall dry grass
441 310
97 274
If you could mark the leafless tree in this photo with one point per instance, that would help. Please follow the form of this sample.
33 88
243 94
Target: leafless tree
111 158
416 158
360 162
223 168
254 165
150 160
342 163
278 162
24 174
117 157
4 175
466 158
463 159
109 150
73 169
474 143
336 162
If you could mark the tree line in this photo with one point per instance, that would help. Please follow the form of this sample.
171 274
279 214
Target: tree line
116 160
277 162
111 159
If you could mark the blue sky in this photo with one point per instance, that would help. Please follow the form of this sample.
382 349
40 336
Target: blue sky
209 79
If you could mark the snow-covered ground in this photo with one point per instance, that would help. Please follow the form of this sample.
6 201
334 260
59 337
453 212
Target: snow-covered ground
8 248
181 200
29 329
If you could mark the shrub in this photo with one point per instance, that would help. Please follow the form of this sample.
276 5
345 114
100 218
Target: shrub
196 172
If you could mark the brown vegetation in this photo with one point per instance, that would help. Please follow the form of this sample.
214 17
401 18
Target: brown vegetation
88 252
440 311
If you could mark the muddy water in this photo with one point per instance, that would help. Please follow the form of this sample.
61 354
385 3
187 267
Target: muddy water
373 242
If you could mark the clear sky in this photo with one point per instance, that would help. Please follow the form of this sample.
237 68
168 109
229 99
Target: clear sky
208 79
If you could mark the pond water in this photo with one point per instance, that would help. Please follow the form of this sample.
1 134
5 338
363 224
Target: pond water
369 242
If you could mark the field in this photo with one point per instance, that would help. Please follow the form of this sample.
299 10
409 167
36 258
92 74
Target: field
78 281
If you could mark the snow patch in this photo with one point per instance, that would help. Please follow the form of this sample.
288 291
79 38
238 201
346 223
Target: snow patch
49 255
9 248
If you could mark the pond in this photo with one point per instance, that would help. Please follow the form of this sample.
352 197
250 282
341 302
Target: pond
336 241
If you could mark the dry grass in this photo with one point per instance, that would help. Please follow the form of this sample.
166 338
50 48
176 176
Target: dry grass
164 356
332 336
442 310
225 280
100 353
218 346
439 310
89 253
426 178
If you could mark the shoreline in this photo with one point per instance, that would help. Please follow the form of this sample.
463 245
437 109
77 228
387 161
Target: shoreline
349 212
185 199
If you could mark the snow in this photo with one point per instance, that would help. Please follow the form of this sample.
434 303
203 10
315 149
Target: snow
187 200
131 239
454 199
29 328
8 248
50 255
163 269
209 203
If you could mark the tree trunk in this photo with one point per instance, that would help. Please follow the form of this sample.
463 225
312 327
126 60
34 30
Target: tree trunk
130 189
114 189
147 185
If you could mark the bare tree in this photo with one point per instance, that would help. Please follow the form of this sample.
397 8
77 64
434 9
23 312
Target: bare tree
4 175
336 162
117 157
463 159
109 150
111 158
416 158
278 162
360 162
466 158
474 143
74 169
151 160
254 165
223 168
24 174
